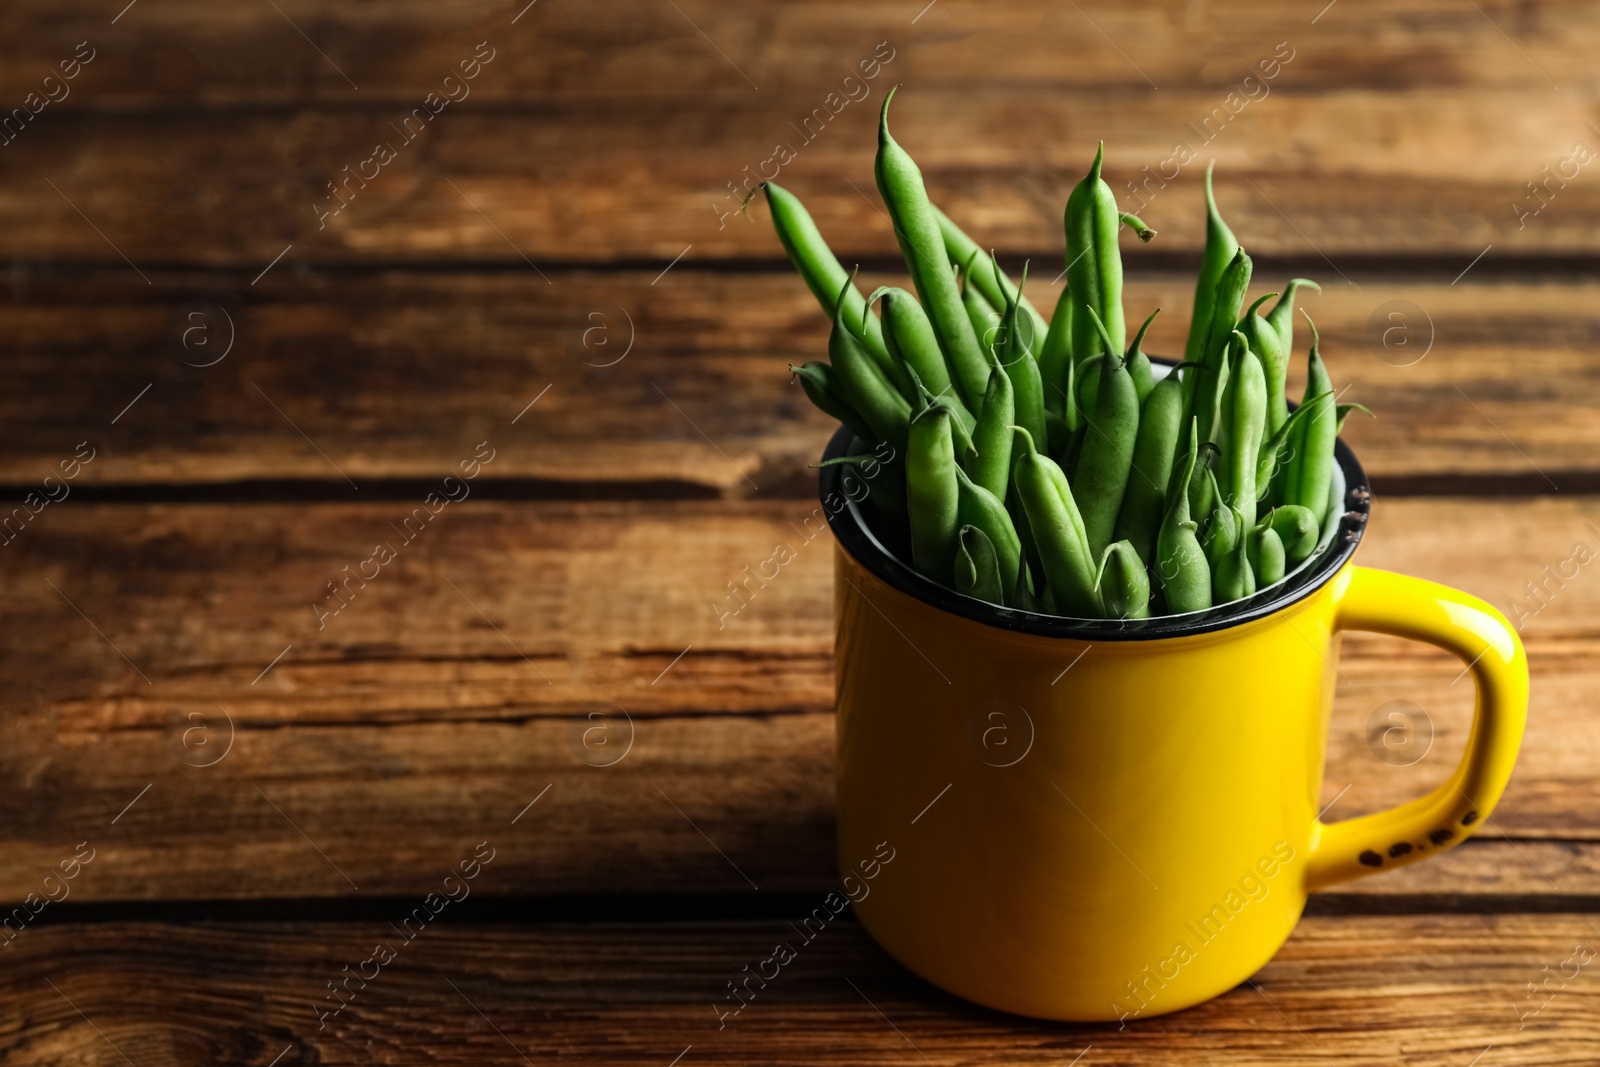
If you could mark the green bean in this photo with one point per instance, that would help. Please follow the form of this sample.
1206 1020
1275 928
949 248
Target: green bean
1094 263
1088 377
917 228
990 463
1100 478
985 319
1032 566
1026 386
1296 528
1266 555
996 289
1123 583
1055 364
1220 249
857 379
816 378
1181 565
976 506
1213 363
909 337
1203 494
1144 378
1058 532
1274 452
1137 225
1245 409
821 269
1222 532
1234 579
977 572
1282 314
886 482
1344 409
1200 493
1267 346
1086 380
1280 320
932 493
1072 411
1310 470
959 433
1160 422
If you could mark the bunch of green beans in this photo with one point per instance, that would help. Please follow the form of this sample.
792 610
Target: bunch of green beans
1043 465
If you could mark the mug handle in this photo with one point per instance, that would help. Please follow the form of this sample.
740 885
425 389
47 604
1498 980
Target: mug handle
1388 603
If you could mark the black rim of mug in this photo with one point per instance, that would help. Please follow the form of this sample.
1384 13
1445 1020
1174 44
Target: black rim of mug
855 536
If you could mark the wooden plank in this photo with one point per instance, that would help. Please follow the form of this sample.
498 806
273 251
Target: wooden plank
233 190
1406 129
1429 991
460 682
679 386
216 57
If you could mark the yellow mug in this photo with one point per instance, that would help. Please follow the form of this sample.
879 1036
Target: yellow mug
1099 820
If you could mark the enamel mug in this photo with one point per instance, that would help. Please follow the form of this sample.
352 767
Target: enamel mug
1101 820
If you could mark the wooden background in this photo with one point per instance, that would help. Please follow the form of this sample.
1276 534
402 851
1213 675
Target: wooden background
264 793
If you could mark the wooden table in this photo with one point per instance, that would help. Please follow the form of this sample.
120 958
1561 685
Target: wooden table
253 779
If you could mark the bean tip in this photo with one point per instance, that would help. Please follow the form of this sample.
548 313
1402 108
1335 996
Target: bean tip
1316 338
1211 196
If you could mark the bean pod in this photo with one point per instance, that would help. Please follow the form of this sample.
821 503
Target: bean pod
816 379
932 493
1282 314
821 270
1181 565
1296 528
1154 449
1220 248
1245 409
859 381
990 461
1234 579
1144 376
911 342
1266 555
1055 365
977 570
1213 360
1094 262
916 226
995 288
1310 470
1057 531
1100 478
984 318
1123 583
1026 385
976 506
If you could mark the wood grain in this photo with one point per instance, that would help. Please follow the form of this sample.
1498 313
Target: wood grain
679 385
204 56
459 683
233 190
1393 129
549 268
1431 991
